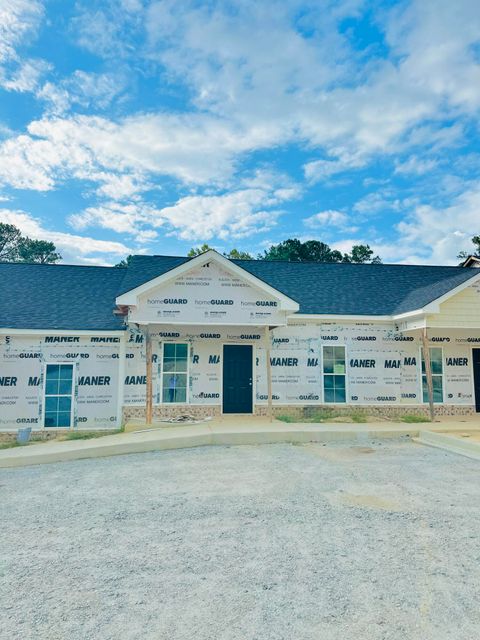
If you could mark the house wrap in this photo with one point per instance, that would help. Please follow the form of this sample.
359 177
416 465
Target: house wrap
233 336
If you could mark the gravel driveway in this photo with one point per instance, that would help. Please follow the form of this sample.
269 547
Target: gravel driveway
244 543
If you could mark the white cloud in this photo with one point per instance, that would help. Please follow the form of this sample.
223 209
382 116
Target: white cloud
88 90
73 248
19 21
234 215
252 99
378 202
438 234
24 77
18 18
417 166
201 217
194 148
121 218
328 218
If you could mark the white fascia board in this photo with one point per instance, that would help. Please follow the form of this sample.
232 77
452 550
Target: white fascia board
130 297
409 314
329 317
59 332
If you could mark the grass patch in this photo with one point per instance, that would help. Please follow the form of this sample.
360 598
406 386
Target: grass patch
87 435
323 415
11 445
288 419
358 417
326 415
412 418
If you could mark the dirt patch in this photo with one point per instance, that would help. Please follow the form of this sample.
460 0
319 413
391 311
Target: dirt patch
363 501
337 453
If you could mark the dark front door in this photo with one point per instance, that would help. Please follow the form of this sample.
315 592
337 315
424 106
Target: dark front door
237 378
476 378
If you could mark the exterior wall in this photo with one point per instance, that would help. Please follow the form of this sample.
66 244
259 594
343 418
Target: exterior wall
22 366
461 310
383 372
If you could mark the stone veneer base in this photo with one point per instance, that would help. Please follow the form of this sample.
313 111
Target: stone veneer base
297 411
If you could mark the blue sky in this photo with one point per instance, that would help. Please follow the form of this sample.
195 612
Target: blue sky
146 126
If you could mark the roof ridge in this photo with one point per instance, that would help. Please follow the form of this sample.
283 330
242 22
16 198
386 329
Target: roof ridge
309 262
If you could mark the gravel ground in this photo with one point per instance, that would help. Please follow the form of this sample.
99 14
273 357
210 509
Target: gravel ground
244 543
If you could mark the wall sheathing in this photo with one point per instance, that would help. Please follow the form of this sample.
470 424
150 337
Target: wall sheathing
22 368
382 367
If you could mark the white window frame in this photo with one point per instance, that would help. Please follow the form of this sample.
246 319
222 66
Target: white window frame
72 395
344 346
425 402
187 373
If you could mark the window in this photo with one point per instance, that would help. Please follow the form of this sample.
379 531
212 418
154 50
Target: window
174 372
436 363
334 374
58 395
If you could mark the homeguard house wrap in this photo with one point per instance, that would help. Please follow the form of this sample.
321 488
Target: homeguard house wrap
86 347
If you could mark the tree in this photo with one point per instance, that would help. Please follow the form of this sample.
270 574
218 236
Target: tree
126 262
361 253
463 255
234 254
9 239
295 250
40 251
17 248
196 251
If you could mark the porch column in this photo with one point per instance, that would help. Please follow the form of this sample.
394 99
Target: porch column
428 372
121 379
269 372
149 383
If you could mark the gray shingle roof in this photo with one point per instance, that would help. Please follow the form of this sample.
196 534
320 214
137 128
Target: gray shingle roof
76 297
337 289
41 296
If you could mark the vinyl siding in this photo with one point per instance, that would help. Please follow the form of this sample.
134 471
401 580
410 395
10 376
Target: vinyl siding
462 310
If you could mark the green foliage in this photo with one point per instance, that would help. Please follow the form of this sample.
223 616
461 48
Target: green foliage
11 445
463 255
233 254
9 238
87 435
196 251
40 251
17 248
287 418
358 416
126 262
412 418
361 253
323 415
295 250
